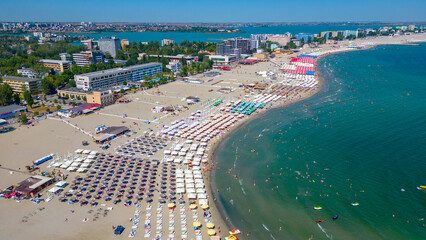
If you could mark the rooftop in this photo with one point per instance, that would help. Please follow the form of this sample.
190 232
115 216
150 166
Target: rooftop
23 79
11 108
55 61
143 65
74 89
110 132
103 72
34 181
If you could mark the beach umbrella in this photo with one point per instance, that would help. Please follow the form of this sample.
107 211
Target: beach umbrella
193 206
204 206
210 225
196 224
171 205
211 232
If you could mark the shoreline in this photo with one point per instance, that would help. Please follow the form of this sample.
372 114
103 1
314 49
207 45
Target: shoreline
218 209
55 137
212 189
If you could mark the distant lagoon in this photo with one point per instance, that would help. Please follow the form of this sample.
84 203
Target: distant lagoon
217 37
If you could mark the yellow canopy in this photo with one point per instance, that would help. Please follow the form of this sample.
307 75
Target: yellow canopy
196 224
171 205
210 225
211 232
193 206
204 206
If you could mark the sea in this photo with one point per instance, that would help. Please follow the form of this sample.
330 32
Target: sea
361 139
217 37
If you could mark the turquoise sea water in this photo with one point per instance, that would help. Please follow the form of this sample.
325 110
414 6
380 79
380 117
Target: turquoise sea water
216 37
362 139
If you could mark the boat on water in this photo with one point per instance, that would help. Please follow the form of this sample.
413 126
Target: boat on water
319 220
234 231
421 187
355 204
335 217
317 208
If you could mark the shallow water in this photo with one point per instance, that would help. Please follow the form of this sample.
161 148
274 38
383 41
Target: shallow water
361 139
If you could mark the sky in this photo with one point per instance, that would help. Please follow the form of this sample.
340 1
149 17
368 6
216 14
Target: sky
212 11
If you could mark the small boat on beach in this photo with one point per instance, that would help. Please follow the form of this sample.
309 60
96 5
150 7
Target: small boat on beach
355 204
317 208
319 220
335 217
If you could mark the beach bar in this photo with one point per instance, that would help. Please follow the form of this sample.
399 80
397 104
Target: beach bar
33 185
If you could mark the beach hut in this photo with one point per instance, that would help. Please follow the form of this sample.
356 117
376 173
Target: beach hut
180 190
54 189
200 190
86 151
190 190
203 201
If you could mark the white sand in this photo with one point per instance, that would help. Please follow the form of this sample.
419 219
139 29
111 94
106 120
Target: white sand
29 143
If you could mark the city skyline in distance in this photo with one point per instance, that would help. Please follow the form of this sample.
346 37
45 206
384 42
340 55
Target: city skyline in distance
191 11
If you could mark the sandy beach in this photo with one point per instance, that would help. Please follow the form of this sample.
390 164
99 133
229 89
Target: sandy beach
60 220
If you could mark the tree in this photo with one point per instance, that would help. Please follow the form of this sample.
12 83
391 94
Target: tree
36 113
63 101
16 98
147 78
290 45
47 87
39 70
183 71
84 98
71 83
47 109
28 98
24 118
55 101
124 83
78 98
122 91
5 94
73 104
58 107
120 55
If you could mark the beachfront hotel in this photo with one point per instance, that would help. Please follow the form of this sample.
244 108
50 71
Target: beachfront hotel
116 76
19 83
56 65
139 71
102 79
84 58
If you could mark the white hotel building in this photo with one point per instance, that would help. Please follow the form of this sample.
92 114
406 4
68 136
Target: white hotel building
116 76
